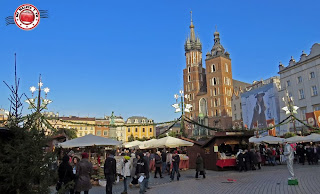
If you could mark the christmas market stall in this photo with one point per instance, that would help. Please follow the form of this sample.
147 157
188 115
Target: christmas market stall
220 151
171 143
96 146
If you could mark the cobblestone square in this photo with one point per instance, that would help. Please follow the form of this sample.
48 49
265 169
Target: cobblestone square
270 179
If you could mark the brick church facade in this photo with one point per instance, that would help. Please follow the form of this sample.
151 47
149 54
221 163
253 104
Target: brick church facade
209 90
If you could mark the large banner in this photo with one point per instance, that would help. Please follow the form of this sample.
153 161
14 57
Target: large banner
311 119
317 115
260 105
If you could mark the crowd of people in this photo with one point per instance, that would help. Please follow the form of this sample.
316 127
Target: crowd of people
133 167
311 152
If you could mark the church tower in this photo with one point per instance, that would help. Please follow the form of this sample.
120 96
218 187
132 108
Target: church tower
219 85
194 75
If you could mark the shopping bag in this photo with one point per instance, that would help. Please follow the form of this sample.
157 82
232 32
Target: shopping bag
141 179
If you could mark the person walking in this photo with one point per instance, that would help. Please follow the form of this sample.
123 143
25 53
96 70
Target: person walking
175 166
110 171
126 172
84 171
241 161
158 164
164 158
65 174
142 172
200 166
147 158
169 162
134 161
75 161
258 157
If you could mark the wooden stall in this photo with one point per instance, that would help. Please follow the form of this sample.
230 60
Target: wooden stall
211 151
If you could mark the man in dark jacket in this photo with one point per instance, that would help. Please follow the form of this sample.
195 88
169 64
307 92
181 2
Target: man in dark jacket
142 172
110 171
175 165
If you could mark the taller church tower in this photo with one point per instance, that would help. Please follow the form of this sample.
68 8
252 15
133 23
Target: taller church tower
194 75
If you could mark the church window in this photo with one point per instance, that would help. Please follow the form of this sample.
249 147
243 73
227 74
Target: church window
189 69
226 65
189 78
215 91
216 112
213 68
214 81
192 86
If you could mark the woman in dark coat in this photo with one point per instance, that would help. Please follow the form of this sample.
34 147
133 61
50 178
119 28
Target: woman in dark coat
65 172
84 171
158 164
200 166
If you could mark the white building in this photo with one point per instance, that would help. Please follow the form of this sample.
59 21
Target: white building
302 82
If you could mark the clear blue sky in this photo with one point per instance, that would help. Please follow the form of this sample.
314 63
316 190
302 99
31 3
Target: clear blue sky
128 56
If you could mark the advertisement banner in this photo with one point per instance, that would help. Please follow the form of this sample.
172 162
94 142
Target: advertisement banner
260 105
311 119
317 115
270 123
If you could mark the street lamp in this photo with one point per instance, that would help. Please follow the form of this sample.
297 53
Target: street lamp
181 107
290 109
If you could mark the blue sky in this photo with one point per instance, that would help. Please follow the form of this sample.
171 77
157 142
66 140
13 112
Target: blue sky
128 56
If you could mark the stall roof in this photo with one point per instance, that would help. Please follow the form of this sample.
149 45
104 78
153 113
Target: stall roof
229 134
89 140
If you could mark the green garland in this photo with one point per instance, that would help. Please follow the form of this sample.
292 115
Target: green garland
96 125
283 122
305 124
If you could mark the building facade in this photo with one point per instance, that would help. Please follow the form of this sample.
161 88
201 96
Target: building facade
139 127
238 89
101 127
3 117
209 90
301 81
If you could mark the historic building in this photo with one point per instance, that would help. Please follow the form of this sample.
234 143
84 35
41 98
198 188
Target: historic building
3 117
209 90
238 88
101 127
301 81
139 127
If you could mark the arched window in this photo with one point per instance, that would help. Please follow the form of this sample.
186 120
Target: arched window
214 81
189 69
213 68
215 91
226 65
189 78
203 107
216 112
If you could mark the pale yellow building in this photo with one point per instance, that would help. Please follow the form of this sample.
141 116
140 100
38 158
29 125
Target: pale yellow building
3 117
83 125
139 127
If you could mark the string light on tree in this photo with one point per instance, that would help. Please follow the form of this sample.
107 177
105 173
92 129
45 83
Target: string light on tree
290 108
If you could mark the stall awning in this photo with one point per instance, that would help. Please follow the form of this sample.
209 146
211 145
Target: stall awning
89 140
170 142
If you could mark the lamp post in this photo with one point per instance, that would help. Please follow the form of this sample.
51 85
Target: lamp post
181 107
38 103
290 109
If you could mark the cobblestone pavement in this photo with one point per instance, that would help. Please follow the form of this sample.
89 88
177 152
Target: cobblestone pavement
270 179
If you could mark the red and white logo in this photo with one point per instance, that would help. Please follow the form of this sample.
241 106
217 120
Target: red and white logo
27 17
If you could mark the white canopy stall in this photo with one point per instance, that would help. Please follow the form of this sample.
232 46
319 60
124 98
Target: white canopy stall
170 142
89 140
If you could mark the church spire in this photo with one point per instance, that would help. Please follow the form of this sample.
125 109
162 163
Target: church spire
192 34
192 42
